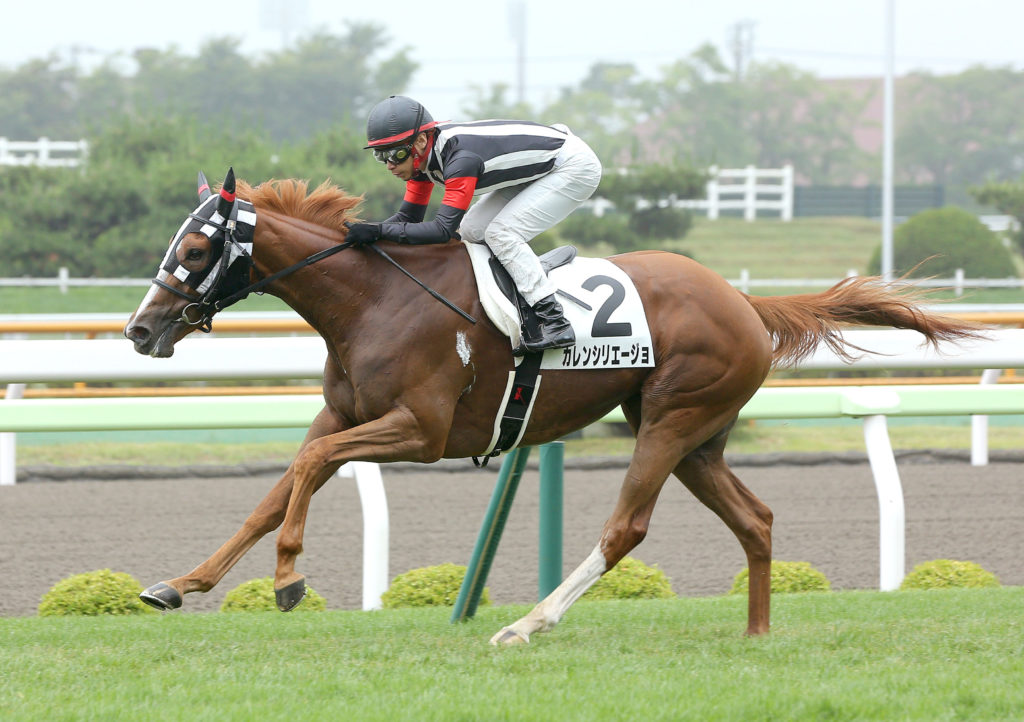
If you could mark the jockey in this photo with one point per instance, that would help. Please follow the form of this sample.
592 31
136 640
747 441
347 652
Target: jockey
529 177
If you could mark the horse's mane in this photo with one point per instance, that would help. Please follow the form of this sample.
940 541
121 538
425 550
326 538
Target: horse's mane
328 205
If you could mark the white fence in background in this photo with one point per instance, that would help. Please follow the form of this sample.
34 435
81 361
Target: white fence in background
749 189
745 283
44 152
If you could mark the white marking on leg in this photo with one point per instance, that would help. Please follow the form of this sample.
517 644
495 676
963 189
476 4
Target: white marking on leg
462 347
549 612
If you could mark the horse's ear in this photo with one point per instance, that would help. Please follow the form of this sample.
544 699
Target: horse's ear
227 194
204 187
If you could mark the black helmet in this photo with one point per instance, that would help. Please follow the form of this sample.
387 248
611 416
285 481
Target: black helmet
394 120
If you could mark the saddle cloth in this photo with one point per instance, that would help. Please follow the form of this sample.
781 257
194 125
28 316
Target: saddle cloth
599 300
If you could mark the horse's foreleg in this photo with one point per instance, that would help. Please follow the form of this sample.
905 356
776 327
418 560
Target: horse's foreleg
705 473
397 436
266 517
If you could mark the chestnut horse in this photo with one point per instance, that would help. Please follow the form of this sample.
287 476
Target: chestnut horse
408 379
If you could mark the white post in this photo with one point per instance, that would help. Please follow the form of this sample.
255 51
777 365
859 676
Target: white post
887 142
891 514
62 279
712 193
43 159
979 424
958 281
750 194
9 444
787 192
375 529
745 280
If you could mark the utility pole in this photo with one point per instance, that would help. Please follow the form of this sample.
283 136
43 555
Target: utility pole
887 145
517 30
741 43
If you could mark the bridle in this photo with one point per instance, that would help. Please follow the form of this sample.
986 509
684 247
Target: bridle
235 264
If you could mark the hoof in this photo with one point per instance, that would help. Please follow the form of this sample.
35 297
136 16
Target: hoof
289 597
507 636
161 596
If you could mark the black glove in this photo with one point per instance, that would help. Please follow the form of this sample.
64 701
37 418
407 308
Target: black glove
363 234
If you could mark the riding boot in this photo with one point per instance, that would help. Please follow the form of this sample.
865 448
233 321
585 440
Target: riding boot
545 326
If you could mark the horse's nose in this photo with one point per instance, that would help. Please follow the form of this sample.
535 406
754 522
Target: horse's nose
137 333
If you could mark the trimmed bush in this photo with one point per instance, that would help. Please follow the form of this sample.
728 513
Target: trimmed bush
257 595
94 593
958 240
787 577
948 574
436 586
631 579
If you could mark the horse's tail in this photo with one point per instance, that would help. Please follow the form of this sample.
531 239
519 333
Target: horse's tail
799 323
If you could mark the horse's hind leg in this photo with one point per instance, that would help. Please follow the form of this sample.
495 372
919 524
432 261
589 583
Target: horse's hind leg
659 449
266 517
705 473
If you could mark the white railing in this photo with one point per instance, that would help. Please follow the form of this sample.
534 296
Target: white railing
747 189
28 361
44 152
959 282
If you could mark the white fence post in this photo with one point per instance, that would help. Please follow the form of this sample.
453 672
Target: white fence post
712 193
787 193
891 513
9 444
979 424
750 194
62 279
376 529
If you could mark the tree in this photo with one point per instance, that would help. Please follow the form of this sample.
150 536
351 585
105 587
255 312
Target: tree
1006 197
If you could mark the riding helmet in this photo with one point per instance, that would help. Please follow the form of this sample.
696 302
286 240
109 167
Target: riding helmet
394 120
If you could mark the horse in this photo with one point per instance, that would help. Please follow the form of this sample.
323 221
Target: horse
407 379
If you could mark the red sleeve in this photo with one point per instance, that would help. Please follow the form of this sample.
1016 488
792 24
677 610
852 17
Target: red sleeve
458 192
418 192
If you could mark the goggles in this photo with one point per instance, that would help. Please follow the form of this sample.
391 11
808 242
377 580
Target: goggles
394 156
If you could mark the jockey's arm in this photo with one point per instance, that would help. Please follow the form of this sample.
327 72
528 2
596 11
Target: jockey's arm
408 226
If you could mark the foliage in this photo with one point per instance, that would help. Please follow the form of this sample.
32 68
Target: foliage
631 579
436 586
787 577
948 574
257 595
1006 197
94 593
948 238
657 222
585 228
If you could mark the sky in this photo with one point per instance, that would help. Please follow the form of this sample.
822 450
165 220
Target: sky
461 43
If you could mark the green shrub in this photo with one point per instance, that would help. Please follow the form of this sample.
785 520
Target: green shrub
657 223
948 574
436 586
787 577
587 229
257 595
94 593
631 579
958 240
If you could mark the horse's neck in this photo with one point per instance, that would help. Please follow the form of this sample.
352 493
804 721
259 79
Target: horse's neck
310 291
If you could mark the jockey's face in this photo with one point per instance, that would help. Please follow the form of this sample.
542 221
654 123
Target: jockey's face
406 169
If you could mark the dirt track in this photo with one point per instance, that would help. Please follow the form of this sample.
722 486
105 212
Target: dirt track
827 515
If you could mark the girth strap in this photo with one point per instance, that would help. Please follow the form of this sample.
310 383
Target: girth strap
517 406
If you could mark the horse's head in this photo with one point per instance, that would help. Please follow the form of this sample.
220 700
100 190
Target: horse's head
208 260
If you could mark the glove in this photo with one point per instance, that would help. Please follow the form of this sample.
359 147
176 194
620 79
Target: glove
363 234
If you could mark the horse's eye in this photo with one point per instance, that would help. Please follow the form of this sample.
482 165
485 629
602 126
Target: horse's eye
194 254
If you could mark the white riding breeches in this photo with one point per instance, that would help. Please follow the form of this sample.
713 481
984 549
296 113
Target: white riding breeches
509 218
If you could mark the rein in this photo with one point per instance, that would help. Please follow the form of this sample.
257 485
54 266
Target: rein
205 307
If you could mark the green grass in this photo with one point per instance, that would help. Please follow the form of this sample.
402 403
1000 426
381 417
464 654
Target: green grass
937 655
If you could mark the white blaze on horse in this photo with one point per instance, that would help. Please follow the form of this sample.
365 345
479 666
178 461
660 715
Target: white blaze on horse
411 379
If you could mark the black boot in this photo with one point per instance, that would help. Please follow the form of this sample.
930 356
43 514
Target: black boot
545 326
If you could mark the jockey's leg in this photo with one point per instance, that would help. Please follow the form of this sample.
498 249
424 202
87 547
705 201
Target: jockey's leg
535 208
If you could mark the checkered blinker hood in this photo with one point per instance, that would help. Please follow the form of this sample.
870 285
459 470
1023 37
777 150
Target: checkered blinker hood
230 224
